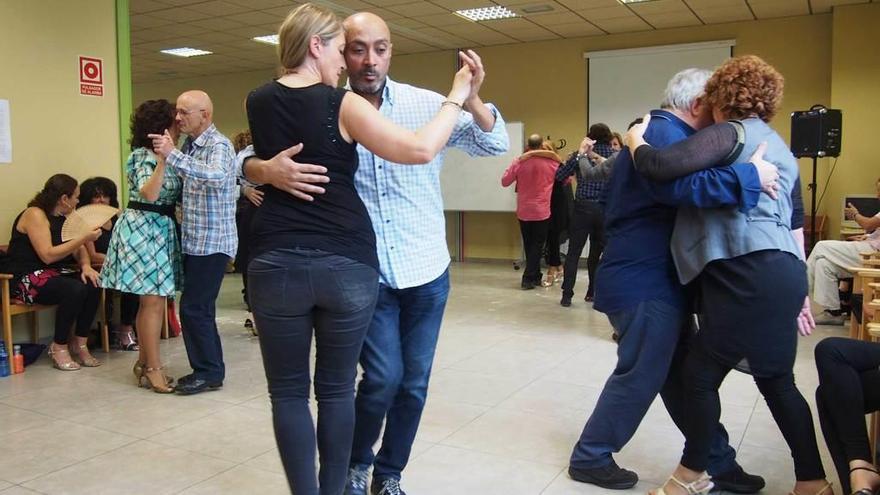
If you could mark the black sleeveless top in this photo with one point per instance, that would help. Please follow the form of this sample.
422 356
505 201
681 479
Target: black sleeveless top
22 258
336 221
103 243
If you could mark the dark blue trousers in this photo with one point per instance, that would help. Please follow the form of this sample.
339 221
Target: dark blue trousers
653 341
202 278
396 359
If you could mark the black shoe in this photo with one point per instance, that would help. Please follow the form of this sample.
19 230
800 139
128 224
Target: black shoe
612 476
196 385
387 486
565 301
527 285
184 379
357 480
737 481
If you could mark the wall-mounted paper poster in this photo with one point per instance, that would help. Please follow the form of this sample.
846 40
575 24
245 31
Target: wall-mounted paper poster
91 76
5 133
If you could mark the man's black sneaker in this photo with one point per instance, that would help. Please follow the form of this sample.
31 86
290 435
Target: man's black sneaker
356 483
565 301
737 481
387 486
612 476
527 285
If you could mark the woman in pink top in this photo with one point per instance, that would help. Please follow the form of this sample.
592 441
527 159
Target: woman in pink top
534 173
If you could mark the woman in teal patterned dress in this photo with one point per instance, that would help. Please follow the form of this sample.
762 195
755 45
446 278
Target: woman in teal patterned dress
144 253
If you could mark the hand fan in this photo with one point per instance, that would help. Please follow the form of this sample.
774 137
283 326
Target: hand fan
86 219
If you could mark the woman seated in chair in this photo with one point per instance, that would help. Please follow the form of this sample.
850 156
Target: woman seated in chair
48 271
101 190
849 388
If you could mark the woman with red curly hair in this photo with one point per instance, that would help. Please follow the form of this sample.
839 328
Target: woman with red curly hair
749 269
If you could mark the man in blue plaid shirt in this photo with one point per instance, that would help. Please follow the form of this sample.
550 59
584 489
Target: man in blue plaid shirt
406 208
206 163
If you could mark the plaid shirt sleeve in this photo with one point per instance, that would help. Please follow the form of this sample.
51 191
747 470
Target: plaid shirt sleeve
244 154
213 176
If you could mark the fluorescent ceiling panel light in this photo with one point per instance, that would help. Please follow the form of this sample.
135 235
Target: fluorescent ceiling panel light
634 1
269 39
486 13
186 52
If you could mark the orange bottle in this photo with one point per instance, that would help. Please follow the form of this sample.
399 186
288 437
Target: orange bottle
17 360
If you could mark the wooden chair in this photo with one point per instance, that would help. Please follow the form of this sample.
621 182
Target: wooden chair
865 283
12 307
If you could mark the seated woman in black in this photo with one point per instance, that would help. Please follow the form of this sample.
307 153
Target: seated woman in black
849 388
101 190
48 271
314 270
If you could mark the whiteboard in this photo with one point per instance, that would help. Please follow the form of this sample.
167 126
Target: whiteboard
473 183
626 84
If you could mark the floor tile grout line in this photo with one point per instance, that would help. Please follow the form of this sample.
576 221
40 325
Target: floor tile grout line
553 480
207 479
43 475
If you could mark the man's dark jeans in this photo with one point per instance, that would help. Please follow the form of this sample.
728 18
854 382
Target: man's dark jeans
653 340
201 285
396 359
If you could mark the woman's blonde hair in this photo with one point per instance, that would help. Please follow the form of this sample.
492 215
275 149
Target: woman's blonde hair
299 27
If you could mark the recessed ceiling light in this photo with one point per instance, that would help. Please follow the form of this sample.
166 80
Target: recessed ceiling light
486 13
186 52
269 39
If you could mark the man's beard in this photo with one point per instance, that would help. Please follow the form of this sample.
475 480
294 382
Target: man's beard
365 88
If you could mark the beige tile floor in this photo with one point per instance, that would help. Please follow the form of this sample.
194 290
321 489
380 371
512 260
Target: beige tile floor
514 379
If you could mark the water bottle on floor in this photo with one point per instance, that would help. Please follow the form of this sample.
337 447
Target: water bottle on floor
4 360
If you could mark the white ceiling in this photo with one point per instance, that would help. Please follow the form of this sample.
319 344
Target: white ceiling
226 27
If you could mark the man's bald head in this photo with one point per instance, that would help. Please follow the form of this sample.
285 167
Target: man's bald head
368 21
198 98
367 52
195 112
535 141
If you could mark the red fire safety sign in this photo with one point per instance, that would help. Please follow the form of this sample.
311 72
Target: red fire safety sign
91 76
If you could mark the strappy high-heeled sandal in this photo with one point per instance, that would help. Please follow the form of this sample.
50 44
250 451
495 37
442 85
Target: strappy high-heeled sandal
127 341
89 362
68 366
824 489
704 483
865 491
147 383
138 371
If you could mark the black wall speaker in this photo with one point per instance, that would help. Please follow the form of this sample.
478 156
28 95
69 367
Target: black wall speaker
816 132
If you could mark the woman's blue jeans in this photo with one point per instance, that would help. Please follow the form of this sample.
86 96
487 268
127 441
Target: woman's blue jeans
296 293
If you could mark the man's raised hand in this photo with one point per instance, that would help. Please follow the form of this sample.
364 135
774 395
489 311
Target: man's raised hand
163 144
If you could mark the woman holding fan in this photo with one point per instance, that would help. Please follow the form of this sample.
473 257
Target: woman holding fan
49 271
